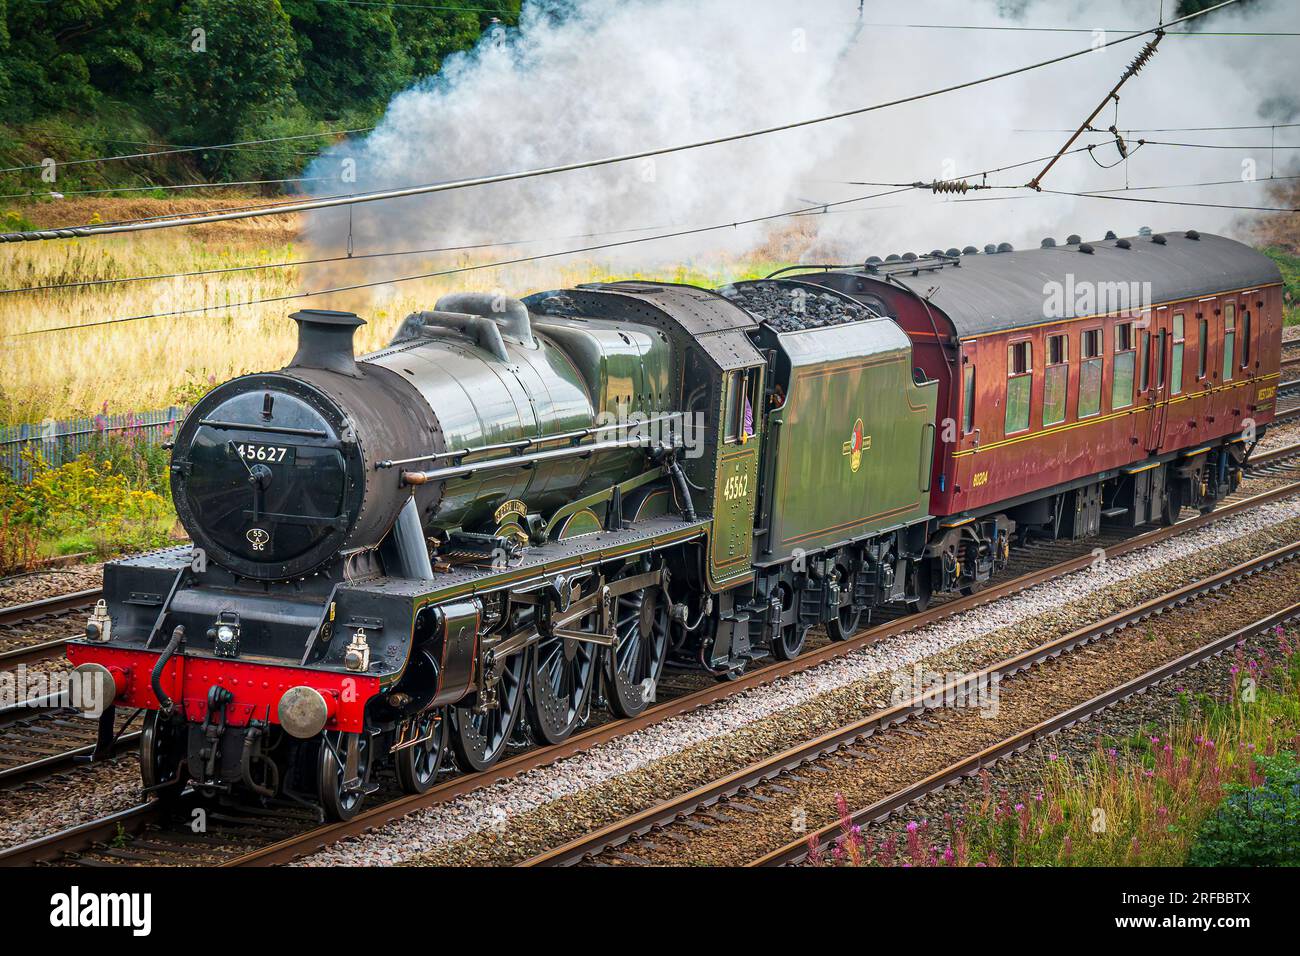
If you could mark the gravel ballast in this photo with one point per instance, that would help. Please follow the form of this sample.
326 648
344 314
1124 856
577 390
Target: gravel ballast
517 817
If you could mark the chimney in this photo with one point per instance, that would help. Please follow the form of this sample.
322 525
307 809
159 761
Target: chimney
325 340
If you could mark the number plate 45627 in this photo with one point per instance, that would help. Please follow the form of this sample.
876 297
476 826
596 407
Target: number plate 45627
271 454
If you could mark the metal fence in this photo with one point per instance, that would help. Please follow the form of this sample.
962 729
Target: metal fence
58 442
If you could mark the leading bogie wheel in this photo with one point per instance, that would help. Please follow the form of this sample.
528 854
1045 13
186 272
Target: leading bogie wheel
633 668
340 801
480 738
162 754
417 766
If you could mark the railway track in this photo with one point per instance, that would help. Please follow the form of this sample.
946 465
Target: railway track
149 829
39 630
684 692
40 742
797 851
20 614
730 797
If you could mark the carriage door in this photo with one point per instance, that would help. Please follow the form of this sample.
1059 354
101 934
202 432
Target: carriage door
1155 374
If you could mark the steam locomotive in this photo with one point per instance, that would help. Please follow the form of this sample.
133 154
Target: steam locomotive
523 509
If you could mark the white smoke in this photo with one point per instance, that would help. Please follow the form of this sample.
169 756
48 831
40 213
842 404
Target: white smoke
593 78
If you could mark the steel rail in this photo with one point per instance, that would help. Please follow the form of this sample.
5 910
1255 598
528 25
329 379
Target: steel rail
760 771
131 820
53 763
797 850
19 613
288 850
33 653
1276 456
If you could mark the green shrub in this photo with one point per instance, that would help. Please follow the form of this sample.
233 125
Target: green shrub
92 504
143 464
1289 265
14 221
1255 825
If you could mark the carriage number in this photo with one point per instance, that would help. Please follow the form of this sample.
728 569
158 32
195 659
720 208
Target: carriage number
737 486
981 478
273 454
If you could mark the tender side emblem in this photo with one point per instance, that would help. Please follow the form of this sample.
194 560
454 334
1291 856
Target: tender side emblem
856 445
258 538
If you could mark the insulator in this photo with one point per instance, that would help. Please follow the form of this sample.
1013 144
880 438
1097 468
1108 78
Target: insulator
1141 59
950 186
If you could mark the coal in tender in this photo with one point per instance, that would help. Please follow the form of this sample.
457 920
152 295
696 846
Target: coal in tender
793 307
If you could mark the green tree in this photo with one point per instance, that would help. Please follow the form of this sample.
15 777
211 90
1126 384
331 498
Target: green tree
428 39
351 56
229 64
4 58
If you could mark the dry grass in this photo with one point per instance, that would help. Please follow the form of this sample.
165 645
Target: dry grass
155 362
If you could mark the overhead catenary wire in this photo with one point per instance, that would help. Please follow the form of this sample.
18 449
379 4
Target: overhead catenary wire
815 207
92 230
1173 129
1215 182
1237 146
1172 202
455 271
1026 28
818 209
981 173
292 263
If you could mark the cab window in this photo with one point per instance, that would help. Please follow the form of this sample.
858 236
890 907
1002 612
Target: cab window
741 421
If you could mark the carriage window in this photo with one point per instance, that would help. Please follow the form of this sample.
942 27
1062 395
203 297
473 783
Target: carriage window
1176 380
1020 377
1203 355
1121 387
1056 379
1161 339
1245 339
968 407
1090 374
1144 361
1229 338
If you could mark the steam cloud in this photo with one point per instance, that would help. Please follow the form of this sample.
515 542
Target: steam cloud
591 78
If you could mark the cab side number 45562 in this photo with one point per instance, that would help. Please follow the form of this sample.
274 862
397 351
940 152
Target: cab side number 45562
736 486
